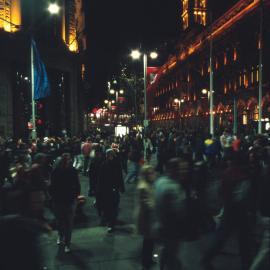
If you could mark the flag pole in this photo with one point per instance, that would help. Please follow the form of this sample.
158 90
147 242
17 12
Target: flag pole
33 120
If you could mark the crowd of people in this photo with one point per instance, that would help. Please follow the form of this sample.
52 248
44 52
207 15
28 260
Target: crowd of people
172 192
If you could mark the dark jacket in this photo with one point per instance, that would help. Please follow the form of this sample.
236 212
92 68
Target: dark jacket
65 185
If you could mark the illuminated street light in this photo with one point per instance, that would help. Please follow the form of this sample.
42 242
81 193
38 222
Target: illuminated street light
135 54
121 92
106 101
182 100
53 8
112 91
153 55
113 101
204 91
176 100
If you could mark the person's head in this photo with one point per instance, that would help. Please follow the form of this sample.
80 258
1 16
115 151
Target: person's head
65 161
178 169
40 159
109 154
148 173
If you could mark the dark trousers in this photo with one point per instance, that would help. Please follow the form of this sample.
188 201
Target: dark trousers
169 255
234 220
111 208
64 217
147 250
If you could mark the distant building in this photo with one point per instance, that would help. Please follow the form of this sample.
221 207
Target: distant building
237 42
61 42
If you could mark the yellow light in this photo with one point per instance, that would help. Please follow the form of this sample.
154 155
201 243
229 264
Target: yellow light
53 8
121 92
154 55
135 54
106 101
204 91
112 91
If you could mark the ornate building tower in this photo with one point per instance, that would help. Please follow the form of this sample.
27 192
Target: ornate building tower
10 15
73 24
194 12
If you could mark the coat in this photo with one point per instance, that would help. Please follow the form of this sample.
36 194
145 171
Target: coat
145 209
110 182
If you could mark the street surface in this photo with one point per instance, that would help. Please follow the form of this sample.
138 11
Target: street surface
94 249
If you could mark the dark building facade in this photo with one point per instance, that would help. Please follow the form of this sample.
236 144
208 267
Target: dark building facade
180 92
61 43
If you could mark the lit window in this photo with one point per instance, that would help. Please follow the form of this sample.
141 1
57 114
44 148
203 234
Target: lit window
234 54
225 59
216 63
225 89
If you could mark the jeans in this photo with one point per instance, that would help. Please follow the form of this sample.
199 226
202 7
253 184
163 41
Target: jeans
133 172
64 214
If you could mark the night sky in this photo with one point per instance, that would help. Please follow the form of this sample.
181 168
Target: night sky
115 27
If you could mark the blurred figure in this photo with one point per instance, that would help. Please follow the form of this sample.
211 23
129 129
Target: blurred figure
20 244
170 199
145 214
235 191
86 150
135 156
65 189
94 170
109 185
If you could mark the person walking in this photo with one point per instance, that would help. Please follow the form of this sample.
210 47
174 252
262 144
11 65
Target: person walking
145 213
170 205
110 184
64 189
235 191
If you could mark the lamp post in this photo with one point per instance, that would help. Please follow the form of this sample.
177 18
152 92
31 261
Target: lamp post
136 54
178 103
260 68
53 9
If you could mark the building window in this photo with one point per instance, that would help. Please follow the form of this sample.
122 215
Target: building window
225 89
234 54
225 59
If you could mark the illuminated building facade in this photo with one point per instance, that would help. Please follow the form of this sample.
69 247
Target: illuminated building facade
194 12
61 42
236 47
10 15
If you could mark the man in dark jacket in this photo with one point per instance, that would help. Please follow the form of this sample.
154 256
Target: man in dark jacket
64 189
94 170
109 185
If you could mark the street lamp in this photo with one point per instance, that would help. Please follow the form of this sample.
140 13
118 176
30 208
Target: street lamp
136 54
112 91
121 92
53 8
204 91
106 101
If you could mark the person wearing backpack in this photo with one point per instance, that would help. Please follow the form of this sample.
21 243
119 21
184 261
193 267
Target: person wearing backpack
235 192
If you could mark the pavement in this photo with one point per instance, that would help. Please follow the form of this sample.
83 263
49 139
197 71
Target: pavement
95 249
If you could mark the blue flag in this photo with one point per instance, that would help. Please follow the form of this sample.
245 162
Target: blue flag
41 83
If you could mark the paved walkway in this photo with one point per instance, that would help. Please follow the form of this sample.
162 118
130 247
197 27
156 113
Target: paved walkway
94 249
